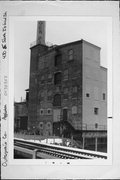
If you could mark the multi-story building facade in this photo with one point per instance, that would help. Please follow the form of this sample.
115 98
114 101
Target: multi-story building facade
21 114
68 90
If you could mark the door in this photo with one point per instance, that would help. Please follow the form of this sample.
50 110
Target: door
56 115
65 114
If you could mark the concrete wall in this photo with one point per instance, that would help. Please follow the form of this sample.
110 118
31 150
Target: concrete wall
94 84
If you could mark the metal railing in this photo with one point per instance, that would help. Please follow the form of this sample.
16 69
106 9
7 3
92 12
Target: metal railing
38 150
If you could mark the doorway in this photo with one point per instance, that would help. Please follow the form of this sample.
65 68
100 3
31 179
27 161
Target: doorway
56 115
65 114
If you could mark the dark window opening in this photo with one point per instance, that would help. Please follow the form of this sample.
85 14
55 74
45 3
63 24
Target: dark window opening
87 95
103 96
66 74
27 96
49 134
41 125
96 125
49 111
95 111
65 114
57 100
41 112
58 60
57 78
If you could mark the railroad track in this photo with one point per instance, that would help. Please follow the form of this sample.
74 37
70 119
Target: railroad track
58 152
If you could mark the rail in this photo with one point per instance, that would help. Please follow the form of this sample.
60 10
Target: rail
40 150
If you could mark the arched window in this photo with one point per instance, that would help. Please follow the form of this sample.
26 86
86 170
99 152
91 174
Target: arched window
41 111
57 100
57 78
49 111
41 125
48 125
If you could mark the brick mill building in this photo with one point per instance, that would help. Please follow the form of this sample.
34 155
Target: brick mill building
67 90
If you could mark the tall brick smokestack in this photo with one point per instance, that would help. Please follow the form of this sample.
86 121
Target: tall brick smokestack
40 39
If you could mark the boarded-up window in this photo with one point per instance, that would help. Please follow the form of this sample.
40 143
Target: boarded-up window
49 76
74 89
49 95
74 110
57 100
70 54
65 90
66 74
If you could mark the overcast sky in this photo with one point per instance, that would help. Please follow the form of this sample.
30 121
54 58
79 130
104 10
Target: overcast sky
57 32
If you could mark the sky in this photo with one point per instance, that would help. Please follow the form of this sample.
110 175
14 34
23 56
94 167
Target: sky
57 32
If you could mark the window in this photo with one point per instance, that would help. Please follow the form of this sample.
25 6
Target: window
57 100
65 90
75 89
96 125
49 111
41 111
48 125
49 95
103 96
95 111
41 125
65 95
49 76
58 61
87 95
70 54
66 74
57 78
74 110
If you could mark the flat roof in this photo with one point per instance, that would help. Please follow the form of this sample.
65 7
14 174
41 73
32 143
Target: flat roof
53 48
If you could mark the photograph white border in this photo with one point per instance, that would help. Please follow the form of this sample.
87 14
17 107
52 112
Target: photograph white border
86 10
